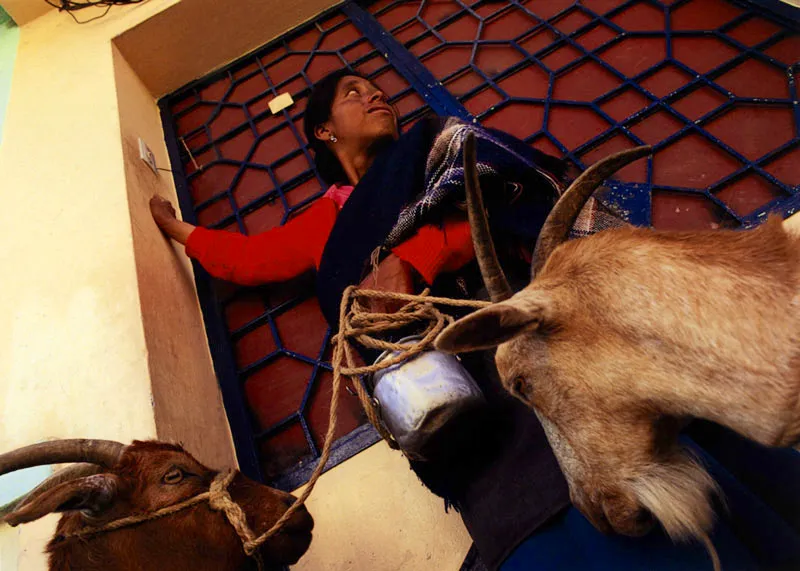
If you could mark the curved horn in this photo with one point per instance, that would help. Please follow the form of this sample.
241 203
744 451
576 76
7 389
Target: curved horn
64 475
492 273
560 220
106 453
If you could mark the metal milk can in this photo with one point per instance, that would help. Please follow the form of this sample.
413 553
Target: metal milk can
416 398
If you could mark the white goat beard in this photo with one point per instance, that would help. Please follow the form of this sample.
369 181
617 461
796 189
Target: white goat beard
678 493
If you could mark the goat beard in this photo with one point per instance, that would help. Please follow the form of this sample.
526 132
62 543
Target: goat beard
678 493
677 490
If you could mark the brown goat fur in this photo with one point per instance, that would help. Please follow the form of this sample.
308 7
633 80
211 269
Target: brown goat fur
147 477
624 333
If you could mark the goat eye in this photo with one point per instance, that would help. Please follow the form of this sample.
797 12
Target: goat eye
173 476
519 387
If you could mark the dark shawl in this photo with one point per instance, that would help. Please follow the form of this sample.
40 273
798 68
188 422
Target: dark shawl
493 465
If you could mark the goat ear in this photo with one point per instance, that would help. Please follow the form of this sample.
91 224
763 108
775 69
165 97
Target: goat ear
491 326
93 493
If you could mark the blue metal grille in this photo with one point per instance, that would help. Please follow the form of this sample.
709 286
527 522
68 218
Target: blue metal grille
709 83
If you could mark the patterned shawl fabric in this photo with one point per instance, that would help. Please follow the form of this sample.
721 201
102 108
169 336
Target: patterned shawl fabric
501 159
595 217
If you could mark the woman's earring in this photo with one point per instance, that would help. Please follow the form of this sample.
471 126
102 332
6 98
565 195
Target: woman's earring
333 139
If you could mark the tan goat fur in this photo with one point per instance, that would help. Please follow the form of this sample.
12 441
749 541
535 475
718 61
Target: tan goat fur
624 333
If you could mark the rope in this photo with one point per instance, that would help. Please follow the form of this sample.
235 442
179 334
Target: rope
219 499
712 551
355 323
137 519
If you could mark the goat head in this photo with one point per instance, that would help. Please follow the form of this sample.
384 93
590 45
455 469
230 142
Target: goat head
114 481
623 334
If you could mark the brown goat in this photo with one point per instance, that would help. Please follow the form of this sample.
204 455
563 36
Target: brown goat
120 481
621 335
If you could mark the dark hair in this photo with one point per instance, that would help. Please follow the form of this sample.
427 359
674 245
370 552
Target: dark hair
318 110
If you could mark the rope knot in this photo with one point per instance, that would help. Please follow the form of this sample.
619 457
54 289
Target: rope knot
218 497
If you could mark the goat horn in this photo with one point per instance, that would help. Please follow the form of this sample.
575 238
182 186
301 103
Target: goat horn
106 453
64 475
560 220
492 273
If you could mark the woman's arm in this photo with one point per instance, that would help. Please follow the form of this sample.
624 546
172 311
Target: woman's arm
279 254
437 249
394 275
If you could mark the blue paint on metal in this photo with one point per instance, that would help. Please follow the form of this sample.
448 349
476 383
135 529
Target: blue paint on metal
312 446
628 200
439 99
778 11
346 447
318 365
632 199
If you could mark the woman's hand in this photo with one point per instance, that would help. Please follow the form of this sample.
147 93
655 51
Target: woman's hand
164 215
162 210
393 275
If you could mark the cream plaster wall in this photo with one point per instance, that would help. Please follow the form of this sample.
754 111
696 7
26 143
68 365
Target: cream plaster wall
186 399
25 11
373 514
73 358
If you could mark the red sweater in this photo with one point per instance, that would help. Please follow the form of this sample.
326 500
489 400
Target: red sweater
290 250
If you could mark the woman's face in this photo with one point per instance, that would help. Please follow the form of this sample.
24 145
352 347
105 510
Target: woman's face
360 115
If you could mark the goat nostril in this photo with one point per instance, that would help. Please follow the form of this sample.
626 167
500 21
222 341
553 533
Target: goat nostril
644 519
640 524
626 516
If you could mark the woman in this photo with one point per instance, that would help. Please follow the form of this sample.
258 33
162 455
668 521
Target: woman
394 200
348 124
375 178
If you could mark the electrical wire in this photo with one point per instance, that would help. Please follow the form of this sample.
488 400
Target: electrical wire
70 6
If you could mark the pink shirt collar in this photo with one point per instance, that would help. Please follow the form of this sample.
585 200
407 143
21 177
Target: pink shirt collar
339 194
